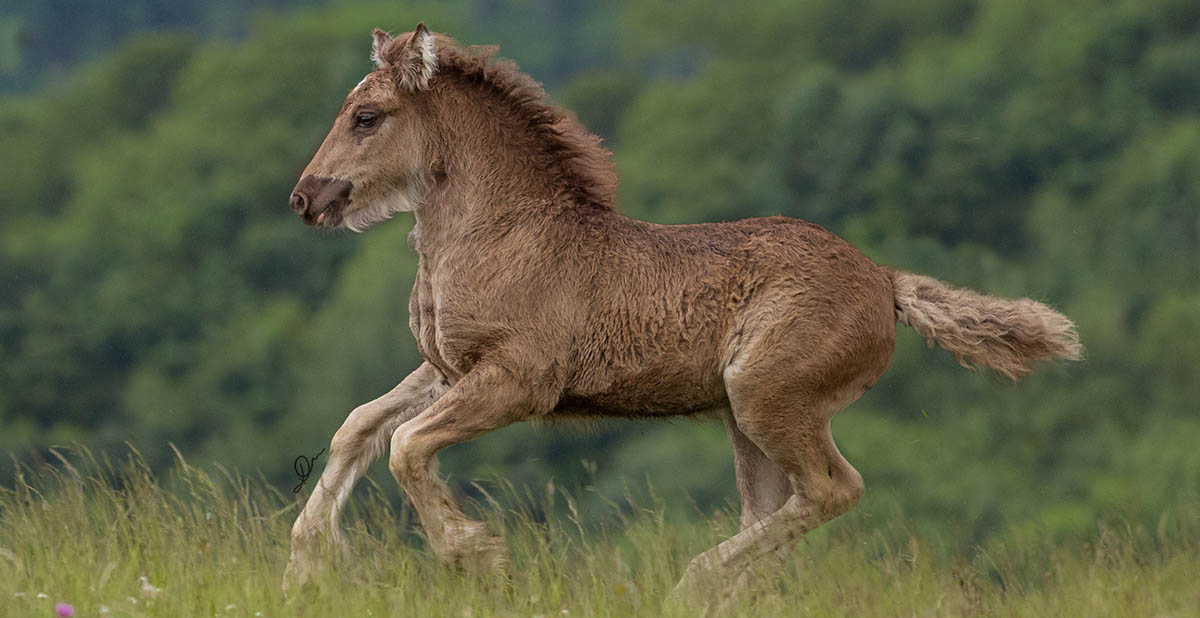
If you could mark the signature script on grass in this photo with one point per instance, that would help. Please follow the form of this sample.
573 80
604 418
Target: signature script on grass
303 467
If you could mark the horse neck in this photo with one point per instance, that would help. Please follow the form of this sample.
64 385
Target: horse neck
496 172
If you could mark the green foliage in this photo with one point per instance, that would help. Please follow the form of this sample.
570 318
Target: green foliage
40 39
601 98
154 287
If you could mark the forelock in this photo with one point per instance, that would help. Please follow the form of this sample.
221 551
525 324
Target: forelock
374 86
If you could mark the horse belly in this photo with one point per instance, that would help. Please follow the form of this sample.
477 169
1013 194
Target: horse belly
679 391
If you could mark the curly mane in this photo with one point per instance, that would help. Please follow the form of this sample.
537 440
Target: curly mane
585 171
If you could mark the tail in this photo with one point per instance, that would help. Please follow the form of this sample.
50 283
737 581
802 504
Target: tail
1006 335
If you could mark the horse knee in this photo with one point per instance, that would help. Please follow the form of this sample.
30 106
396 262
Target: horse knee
345 441
352 436
404 459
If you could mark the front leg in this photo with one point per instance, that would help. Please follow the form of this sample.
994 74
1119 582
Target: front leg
360 441
486 399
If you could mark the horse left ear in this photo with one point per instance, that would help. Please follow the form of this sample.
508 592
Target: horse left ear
417 60
379 48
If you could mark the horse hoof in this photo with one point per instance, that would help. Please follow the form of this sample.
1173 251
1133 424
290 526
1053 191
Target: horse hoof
294 578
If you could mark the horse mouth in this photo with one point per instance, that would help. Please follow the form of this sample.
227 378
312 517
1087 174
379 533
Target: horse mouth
330 218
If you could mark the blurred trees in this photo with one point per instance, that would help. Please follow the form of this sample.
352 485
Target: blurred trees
46 38
153 285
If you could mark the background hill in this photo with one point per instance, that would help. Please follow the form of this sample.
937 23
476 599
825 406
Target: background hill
154 287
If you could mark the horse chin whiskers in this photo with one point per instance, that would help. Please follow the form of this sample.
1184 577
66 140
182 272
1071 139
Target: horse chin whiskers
380 209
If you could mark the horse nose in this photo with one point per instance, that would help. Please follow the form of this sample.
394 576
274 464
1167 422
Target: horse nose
318 197
298 202
305 193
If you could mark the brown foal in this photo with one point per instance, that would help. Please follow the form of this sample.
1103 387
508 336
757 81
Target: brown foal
535 299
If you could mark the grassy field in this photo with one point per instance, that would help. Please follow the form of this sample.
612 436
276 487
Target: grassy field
109 539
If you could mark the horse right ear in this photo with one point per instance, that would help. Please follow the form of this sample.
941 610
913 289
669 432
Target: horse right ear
416 60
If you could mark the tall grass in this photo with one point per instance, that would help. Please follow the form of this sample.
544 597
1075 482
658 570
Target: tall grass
110 539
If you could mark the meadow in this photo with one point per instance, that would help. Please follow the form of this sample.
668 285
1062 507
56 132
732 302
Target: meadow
110 538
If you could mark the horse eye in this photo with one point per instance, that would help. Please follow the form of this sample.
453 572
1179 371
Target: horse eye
364 121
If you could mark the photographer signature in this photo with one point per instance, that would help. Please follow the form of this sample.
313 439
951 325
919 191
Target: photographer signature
303 467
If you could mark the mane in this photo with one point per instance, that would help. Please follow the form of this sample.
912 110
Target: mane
586 171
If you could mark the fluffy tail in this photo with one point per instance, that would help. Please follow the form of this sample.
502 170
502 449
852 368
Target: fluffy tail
1006 335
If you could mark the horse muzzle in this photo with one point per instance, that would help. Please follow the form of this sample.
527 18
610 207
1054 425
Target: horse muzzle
321 201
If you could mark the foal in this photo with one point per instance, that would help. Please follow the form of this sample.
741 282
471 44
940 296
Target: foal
535 299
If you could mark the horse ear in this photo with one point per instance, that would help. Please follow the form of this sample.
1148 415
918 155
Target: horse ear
417 60
379 48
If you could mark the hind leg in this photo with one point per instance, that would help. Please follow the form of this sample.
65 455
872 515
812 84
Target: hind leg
793 433
762 486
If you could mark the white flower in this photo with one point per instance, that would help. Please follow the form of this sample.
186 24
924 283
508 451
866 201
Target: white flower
43 595
149 590
103 609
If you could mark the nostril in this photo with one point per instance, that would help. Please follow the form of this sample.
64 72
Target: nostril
298 203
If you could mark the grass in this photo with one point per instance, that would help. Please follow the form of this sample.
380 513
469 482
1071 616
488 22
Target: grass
110 539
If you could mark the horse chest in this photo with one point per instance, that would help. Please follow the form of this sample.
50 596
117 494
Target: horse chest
448 335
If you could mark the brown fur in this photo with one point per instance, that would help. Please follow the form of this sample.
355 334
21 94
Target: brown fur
535 299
